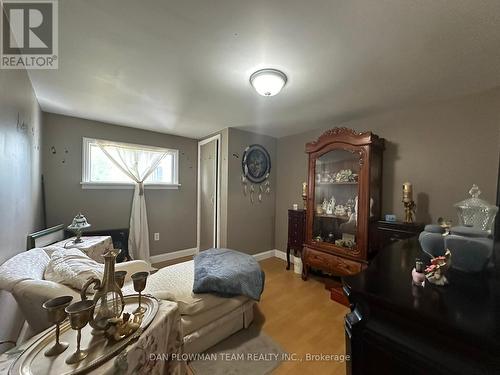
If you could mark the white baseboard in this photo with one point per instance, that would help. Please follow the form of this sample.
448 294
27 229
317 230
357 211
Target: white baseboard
264 255
282 255
173 255
274 253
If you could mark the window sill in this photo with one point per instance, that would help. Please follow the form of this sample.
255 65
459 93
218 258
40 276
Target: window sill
121 186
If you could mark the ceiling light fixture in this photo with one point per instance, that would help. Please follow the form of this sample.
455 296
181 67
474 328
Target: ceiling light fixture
268 82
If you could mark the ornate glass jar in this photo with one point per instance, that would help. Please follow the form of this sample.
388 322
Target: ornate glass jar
475 212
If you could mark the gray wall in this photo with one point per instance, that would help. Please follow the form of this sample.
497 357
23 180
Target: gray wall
20 179
250 227
172 213
442 148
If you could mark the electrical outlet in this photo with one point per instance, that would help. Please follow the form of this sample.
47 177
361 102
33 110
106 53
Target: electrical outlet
157 236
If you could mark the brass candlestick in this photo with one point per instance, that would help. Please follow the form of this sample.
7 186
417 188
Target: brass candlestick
56 314
408 202
409 211
304 194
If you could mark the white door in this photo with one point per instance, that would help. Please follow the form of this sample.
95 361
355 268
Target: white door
208 193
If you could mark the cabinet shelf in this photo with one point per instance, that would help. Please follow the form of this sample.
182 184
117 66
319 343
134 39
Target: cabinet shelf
337 183
329 216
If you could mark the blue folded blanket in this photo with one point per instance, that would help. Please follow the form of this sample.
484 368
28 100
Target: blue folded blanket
228 273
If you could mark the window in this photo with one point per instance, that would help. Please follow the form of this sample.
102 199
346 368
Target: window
99 171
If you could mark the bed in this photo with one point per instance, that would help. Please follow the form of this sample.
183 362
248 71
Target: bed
206 319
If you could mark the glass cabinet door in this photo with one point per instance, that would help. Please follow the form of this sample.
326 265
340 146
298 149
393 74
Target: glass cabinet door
336 199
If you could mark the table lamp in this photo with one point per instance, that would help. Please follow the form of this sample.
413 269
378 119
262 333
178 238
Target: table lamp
78 225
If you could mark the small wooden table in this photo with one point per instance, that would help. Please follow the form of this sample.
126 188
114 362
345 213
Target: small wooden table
296 233
93 246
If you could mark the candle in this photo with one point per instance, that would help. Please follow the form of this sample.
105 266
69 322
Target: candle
304 188
407 192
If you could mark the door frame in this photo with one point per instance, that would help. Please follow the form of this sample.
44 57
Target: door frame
217 138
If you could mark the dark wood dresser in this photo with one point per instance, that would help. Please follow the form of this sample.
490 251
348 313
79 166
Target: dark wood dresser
398 328
383 233
296 233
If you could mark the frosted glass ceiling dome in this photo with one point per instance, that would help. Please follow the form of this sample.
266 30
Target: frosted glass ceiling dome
268 82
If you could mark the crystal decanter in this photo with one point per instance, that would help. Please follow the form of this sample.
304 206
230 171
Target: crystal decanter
108 298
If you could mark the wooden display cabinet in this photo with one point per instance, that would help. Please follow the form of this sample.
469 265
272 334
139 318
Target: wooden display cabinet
344 198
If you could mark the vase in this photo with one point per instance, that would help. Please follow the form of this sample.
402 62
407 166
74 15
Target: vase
432 240
471 249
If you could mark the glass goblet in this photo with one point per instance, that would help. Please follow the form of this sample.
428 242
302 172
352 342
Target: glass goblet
79 315
139 279
56 314
120 278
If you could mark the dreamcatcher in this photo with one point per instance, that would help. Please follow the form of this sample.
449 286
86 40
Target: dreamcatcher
256 166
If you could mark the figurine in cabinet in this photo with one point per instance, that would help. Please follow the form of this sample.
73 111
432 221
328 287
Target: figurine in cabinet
354 162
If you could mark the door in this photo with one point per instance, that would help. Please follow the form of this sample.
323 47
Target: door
208 196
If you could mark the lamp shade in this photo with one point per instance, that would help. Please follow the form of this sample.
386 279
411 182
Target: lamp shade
268 82
78 225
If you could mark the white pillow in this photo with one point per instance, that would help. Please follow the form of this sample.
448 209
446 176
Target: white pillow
50 249
72 267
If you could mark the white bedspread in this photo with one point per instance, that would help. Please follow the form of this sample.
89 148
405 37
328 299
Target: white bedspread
175 283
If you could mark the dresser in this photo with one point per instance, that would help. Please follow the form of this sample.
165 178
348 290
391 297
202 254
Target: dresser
383 233
398 328
296 233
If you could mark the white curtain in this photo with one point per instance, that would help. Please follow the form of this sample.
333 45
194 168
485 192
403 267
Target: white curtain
138 164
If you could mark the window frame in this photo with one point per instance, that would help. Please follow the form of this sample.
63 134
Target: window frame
87 184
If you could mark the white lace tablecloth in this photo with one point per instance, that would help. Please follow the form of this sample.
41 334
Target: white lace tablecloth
152 353
93 246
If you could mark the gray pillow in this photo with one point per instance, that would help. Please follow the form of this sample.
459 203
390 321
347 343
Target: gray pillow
228 273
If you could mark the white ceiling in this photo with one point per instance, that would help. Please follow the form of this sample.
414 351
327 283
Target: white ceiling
182 67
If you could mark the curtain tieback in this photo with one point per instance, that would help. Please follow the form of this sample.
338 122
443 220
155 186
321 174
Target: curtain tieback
141 188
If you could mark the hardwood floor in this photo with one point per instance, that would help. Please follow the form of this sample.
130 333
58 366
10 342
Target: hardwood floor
302 318
173 261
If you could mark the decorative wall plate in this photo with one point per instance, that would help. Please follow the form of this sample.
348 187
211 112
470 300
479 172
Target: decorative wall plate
256 164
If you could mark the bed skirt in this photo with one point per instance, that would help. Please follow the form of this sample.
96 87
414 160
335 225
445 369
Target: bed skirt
218 330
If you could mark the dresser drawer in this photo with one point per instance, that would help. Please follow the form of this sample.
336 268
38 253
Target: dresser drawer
330 262
296 228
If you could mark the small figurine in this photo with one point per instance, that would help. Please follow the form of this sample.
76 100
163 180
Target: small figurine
340 210
332 202
439 265
417 273
324 205
123 327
